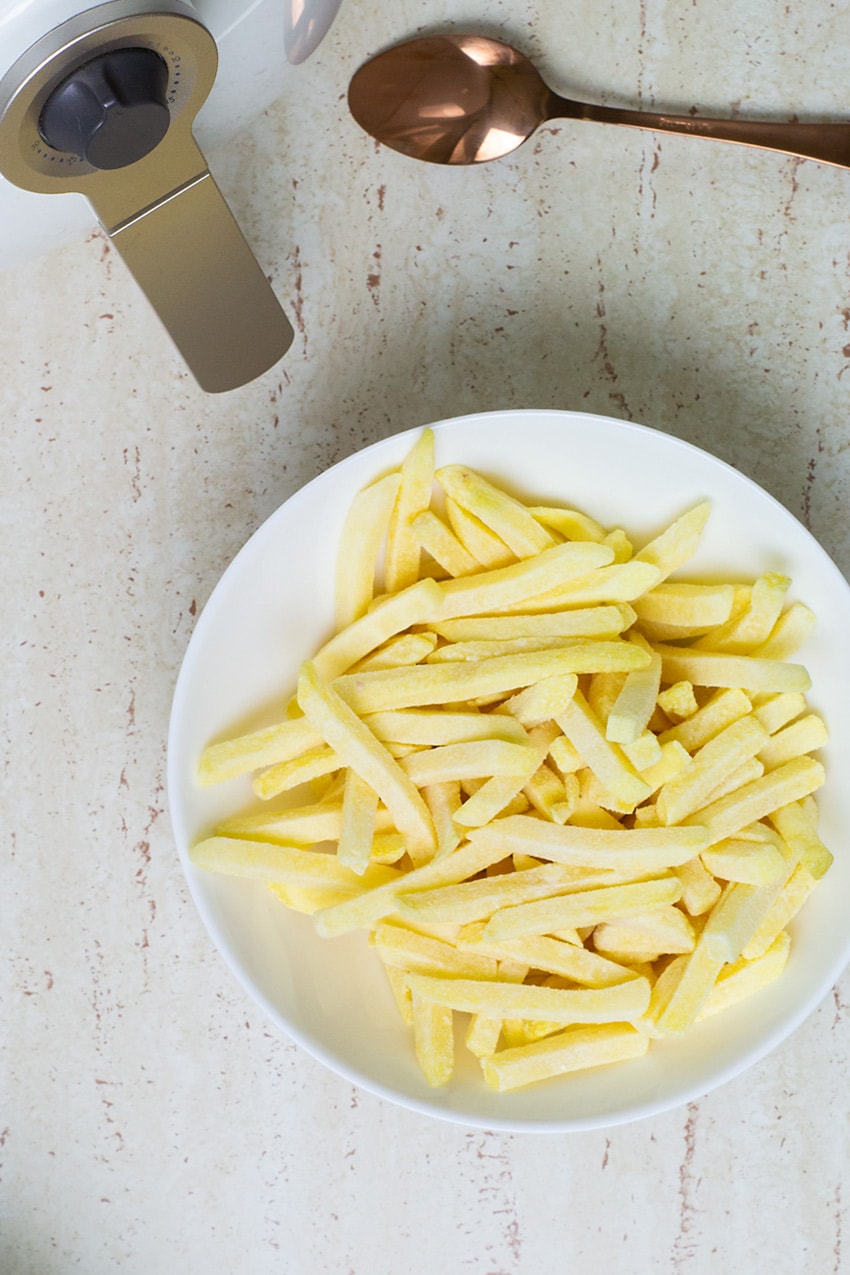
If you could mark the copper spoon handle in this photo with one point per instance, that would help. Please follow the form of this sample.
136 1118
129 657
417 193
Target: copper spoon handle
828 143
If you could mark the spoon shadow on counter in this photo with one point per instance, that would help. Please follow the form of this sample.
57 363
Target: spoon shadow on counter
465 99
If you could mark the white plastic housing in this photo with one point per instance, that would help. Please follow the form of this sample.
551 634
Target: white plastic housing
258 42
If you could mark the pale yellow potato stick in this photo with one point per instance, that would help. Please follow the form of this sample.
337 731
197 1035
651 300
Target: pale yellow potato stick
686 605
433 1036
552 955
364 911
473 760
542 701
388 617
681 991
289 774
678 543
633 706
700 891
482 1035
493 797
402 558
474 900
799 831
482 543
357 829
442 544
584 907
510 519
299 826
678 701
737 778
309 899
565 755
289 865
401 993
746 672
519 582
595 621
454 652
619 582
397 945
803 736
357 747
444 800
407 648
549 796
428 684
790 782
645 936
692 787
785 907
618 1003
776 711
724 707
440 726
741 635
748 862
363 534
602 691
388 847
607 761
789 633
620 543
575 1049
736 917
743 978
571 524
639 850
232 757
644 752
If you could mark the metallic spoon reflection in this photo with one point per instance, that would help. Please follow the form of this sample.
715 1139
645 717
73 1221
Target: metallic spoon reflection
465 99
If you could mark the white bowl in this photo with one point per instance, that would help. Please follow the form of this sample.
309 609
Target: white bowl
273 607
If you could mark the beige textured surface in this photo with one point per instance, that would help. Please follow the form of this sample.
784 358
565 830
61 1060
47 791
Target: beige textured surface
149 1120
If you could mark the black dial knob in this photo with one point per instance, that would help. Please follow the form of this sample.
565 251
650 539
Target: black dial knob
111 111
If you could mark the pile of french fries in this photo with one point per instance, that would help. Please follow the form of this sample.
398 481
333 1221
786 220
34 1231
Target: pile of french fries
565 796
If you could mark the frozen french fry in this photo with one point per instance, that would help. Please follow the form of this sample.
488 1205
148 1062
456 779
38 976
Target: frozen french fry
363 535
357 829
582 907
267 747
747 672
357 747
507 517
442 544
575 1049
403 554
430 684
391 615
592 622
617 1003
607 761
477 539
641 851
692 787
433 1037
744 977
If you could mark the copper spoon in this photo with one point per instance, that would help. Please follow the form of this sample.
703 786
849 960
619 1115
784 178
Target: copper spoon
463 99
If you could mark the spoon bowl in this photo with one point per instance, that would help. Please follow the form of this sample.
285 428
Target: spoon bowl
465 99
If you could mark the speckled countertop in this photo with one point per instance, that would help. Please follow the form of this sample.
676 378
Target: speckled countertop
150 1120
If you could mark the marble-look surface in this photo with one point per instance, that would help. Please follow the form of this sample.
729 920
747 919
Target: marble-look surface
150 1121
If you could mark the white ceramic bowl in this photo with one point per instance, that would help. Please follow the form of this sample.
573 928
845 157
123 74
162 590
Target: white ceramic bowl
273 607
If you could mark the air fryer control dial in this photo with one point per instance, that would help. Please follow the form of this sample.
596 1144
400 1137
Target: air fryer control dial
112 110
